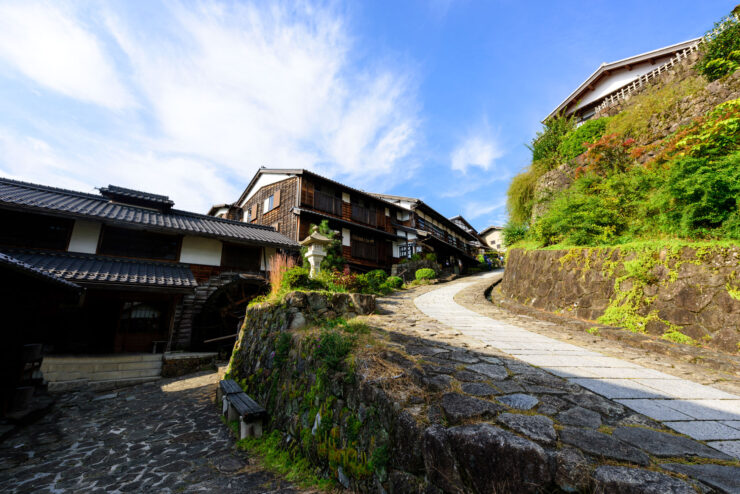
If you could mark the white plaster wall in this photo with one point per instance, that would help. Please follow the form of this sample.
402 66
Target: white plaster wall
345 237
201 250
345 197
620 78
265 179
84 237
493 237
396 252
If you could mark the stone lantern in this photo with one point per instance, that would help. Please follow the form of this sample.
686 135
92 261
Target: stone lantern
316 244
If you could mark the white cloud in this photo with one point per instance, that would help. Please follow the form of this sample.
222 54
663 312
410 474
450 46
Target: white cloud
476 209
220 89
51 47
246 87
478 148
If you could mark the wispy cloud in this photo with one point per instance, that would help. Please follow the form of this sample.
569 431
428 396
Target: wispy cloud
477 209
54 49
478 148
223 89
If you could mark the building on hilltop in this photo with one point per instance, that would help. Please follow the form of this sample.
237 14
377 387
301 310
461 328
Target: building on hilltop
493 238
376 230
145 276
613 79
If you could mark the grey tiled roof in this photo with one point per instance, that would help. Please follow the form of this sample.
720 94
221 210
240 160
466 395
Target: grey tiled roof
18 265
113 191
89 268
64 202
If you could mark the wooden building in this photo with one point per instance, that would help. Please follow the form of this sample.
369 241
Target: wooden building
151 277
611 81
376 230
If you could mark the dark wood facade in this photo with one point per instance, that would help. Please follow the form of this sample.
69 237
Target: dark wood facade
377 230
299 201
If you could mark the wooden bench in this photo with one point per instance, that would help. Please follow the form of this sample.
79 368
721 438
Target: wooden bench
237 405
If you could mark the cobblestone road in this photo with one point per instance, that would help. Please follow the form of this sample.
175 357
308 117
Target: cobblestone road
159 437
701 412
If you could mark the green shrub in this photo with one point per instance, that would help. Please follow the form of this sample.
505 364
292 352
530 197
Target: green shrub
350 282
701 195
425 274
715 69
394 282
574 142
719 57
375 279
297 278
514 232
431 257
579 217
332 348
545 144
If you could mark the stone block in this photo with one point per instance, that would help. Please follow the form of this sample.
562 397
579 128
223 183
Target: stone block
705 429
603 445
626 480
494 460
724 478
665 445
458 407
537 427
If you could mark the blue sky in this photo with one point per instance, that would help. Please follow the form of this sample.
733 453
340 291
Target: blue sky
433 99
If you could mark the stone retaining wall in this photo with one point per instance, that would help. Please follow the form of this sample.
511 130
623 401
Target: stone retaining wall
408 415
691 292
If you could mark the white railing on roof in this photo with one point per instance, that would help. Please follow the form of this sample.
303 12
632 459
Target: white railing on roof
642 81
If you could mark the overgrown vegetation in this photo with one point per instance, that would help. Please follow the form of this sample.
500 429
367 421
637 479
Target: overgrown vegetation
722 50
574 143
276 458
308 370
690 190
631 185
285 277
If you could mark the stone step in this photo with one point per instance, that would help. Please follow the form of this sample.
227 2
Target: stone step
102 368
70 385
103 375
99 367
118 358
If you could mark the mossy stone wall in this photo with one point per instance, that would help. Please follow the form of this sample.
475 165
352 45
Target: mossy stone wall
684 294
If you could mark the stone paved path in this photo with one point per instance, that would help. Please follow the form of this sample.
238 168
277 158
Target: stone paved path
701 412
159 437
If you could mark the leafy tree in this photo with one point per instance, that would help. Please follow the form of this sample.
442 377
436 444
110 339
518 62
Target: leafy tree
722 48
545 144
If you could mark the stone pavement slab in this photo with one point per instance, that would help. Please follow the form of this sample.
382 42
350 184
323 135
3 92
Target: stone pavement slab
688 407
161 437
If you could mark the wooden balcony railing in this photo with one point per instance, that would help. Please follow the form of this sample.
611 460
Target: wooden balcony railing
364 250
365 215
327 203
